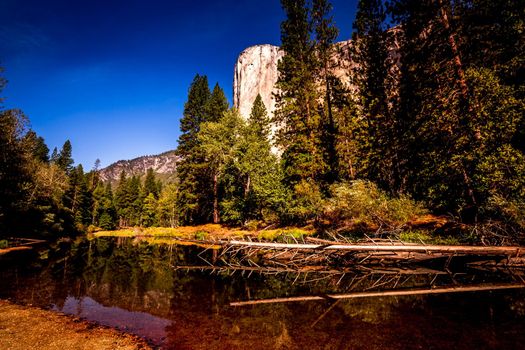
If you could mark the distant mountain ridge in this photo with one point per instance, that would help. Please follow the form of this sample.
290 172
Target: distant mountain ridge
164 165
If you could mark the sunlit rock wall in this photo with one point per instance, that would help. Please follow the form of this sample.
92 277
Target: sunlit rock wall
256 73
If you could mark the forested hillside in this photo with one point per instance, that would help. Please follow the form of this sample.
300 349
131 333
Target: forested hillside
437 127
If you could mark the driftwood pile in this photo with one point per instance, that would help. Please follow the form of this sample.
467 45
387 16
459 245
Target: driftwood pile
369 269
319 254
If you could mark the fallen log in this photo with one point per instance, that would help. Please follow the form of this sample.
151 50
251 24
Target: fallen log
14 249
428 249
404 292
316 269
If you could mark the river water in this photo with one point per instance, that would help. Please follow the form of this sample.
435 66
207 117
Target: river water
139 287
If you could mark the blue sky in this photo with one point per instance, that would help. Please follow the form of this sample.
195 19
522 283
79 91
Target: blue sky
112 75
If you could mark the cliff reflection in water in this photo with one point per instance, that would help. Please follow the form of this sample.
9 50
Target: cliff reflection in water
133 286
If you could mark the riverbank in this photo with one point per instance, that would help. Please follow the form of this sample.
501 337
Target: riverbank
27 327
207 232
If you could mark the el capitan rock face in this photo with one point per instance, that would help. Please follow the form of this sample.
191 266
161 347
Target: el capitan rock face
256 73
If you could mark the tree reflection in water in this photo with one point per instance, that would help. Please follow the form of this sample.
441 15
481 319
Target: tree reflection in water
135 286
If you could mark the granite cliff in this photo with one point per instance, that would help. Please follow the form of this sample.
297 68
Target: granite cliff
256 72
164 165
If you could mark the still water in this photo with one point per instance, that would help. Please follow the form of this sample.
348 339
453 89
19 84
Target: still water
135 286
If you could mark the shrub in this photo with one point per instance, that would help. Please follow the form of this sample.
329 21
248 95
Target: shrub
307 204
361 201
201 235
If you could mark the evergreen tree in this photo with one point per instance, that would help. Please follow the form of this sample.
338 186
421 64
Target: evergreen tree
195 112
108 217
448 131
149 211
331 86
297 114
258 168
150 184
167 206
14 170
135 199
195 201
37 146
216 105
259 121
97 206
54 156
121 200
376 128
217 141
64 159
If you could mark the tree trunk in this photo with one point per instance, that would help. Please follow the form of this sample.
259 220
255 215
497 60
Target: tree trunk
462 81
215 198
247 187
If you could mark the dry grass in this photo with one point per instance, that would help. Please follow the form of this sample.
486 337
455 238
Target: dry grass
204 232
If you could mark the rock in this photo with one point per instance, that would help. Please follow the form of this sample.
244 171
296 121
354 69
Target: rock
164 165
256 73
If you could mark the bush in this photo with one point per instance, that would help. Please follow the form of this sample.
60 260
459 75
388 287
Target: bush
201 235
307 204
362 202
512 211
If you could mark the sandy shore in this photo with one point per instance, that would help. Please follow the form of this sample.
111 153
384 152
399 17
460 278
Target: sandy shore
26 327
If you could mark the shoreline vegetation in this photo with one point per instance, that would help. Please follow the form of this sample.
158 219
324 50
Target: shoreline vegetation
25 327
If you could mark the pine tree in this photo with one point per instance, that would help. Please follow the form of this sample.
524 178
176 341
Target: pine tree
108 217
120 199
376 127
149 211
78 197
150 184
258 168
54 155
195 201
195 112
331 86
217 141
64 159
37 146
167 206
259 121
217 104
14 170
297 114
448 131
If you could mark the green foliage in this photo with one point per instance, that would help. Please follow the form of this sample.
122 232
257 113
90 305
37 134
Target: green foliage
201 235
36 146
307 204
216 105
286 235
512 211
362 201
151 185
297 101
423 237
195 196
64 159
149 211
167 206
